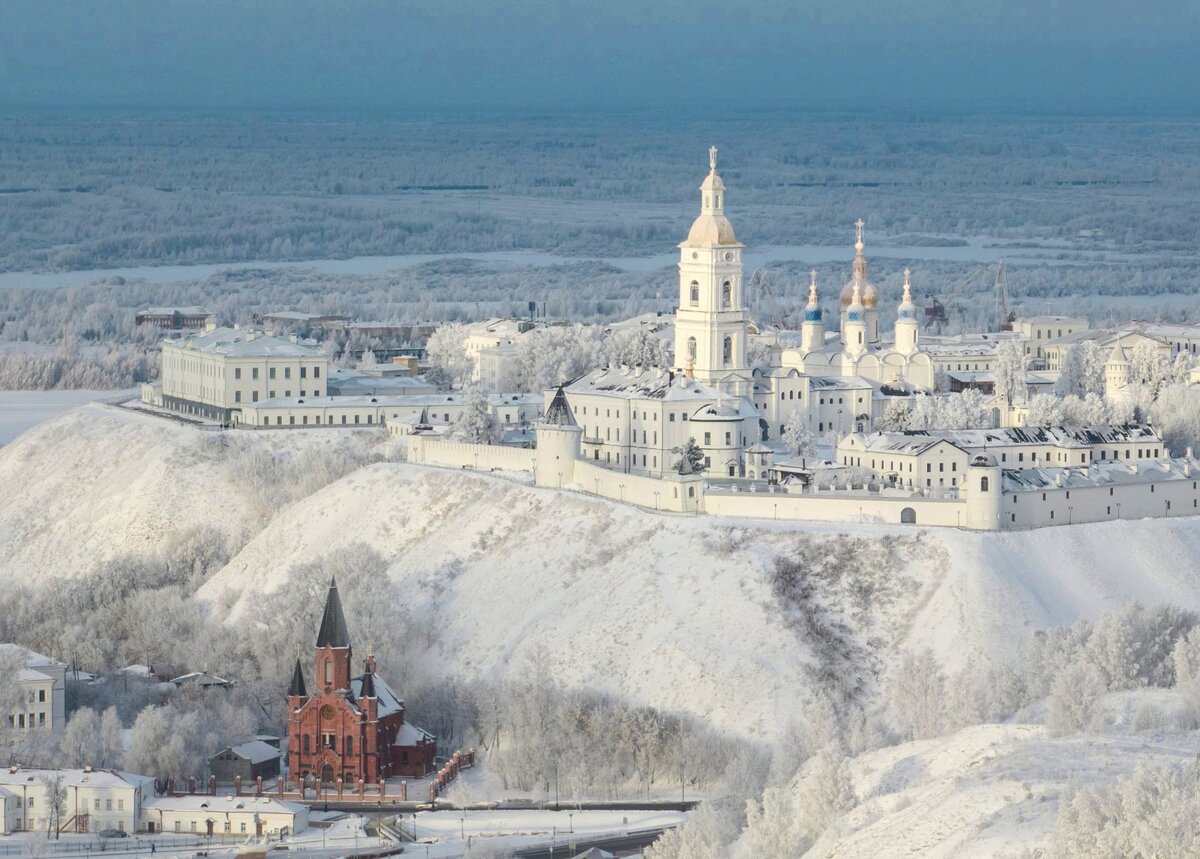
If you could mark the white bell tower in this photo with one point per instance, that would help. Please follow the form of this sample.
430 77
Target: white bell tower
710 324
907 329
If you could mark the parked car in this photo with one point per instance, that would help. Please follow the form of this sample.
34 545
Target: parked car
113 833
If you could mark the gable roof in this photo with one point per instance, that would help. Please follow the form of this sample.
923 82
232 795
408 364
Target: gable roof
333 632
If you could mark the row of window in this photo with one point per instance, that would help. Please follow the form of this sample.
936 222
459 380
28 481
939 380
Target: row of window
726 294
1107 510
328 741
237 395
266 421
287 372
19 720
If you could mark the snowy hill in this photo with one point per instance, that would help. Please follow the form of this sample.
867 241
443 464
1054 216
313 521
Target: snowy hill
683 613
100 482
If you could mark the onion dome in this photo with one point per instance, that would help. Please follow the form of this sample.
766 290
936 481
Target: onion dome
867 291
856 308
812 310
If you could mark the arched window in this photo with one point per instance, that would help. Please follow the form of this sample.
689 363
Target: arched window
717 201
691 346
726 294
727 352
983 484
694 293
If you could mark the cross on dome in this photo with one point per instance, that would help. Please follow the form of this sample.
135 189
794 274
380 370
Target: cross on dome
858 233
907 285
712 158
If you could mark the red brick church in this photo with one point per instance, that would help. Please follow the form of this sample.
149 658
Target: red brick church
350 727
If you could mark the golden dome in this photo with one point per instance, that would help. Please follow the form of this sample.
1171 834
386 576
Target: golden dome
866 290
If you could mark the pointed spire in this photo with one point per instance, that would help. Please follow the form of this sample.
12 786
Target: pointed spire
559 413
333 632
367 686
856 297
297 688
712 159
860 258
812 310
907 297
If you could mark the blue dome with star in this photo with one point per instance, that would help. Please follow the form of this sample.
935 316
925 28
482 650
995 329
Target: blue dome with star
905 313
853 316
813 315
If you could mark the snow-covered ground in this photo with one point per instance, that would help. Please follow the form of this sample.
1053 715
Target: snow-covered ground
675 612
20 410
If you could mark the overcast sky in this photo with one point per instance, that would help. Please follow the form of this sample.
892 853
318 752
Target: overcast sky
1038 55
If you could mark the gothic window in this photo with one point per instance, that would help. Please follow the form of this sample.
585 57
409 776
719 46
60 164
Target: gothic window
694 293
727 352
726 294
691 353
328 671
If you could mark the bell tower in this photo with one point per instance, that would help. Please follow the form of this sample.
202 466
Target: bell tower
710 324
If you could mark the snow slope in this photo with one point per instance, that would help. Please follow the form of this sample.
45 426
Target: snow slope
673 611
100 481
988 790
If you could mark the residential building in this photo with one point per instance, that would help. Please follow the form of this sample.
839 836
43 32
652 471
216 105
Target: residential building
238 817
96 799
43 692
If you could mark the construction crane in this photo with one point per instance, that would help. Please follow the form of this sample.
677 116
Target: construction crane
937 316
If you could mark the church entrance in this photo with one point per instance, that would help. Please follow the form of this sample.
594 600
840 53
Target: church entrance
908 516
326 776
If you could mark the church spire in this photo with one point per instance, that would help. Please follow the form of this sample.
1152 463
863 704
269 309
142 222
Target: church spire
297 689
860 258
333 632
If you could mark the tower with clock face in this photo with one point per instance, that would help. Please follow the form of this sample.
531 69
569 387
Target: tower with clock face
711 322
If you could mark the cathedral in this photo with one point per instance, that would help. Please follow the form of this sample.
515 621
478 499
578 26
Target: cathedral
350 728
634 419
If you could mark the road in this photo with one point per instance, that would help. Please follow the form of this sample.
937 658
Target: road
612 843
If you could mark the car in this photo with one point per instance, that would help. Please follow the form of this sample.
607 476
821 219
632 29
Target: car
113 833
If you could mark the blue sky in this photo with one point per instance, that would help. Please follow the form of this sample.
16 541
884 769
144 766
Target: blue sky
660 55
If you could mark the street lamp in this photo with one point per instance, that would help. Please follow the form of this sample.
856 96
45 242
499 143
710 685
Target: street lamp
571 815
1070 513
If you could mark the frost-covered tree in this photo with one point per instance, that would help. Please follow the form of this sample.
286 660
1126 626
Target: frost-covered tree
692 454
1072 705
110 738
446 351
1009 372
638 347
924 413
1091 410
916 692
546 357
896 416
80 742
56 801
1044 411
476 424
797 437
1071 373
1176 414
965 410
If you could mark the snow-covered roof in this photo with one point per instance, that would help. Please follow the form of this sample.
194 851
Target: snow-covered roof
32 659
411 735
200 678
917 441
389 701
1103 473
243 343
725 409
199 802
255 751
640 383
73 777
170 311
839 382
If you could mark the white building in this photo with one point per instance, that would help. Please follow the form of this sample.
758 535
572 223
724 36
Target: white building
237 816
95 799
43 692
214 374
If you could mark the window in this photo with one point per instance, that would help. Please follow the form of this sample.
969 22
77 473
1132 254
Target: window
271 375
178 825
316 372
42 695
237 372
726 294
303 372
254 373
328 671
691 349
349 745
237 396
306 748
254 396
228 826
694 293
97 804
727 351
108 805
287 372
983 484
707 439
